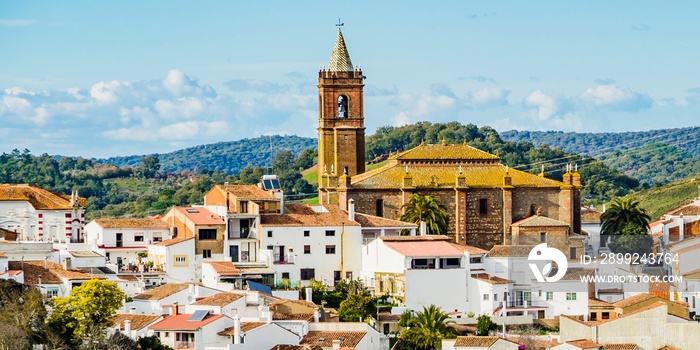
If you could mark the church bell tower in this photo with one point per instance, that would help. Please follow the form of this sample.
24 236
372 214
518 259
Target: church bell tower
341 120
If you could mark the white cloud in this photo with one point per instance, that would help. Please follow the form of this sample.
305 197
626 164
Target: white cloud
7 22
616 98
489 97
546 106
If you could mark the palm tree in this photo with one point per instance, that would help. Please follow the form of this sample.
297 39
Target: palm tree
623 211
428 209
428 329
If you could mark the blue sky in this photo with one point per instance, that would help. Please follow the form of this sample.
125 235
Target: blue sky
99 78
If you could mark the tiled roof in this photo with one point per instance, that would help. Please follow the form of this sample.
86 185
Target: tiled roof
131 223
340 58
610 291
590 215
425 249
201 216
621 317
689 209
39 198
299 215
163 291
415 238
473 341
445 151
633 300
225 268
595 302
130 278
583 344
385 316
249 192
325 338
445 176
470 249
85 254
181 322
245 327
295 347
220 299
538 221
577 273
292 317
622 346
52 274
299 302
510 251
138 321
491 279
173 241
376 221
668 348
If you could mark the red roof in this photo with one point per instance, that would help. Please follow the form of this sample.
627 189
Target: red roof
425 248
225 268
201 216
181 322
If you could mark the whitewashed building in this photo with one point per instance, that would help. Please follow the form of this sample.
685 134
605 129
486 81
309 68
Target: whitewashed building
122 240
175 258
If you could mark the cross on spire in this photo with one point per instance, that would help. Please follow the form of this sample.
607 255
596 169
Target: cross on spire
340 24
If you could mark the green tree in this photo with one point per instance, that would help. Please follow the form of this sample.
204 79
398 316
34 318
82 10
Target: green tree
483 325
427 329
428 209
149 166
632 239
357 306
152 343
623 211
86 312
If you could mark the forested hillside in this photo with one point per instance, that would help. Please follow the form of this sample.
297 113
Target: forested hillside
653 157
228 157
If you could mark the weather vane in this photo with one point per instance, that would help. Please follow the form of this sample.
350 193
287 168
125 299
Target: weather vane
340 24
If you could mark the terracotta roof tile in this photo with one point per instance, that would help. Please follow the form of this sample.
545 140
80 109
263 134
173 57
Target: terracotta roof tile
635 299
225 268
249 192
583 344
510 251
590 215
415 238
182 322
325 338
538 221
491 279
296 347
138 321
299 302
689 209
292 317
473 341
595 302
385 316
425 248
245 327
132 223
577 273
39 198
220 299
376 221
52 274
622 346
163 291
201 216
470 249
173 241
130 278
610 291
444 151
307 215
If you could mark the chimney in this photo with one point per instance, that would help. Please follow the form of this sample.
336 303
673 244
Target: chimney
351 209
236 329
127 328
267 314
67 264
317 315
336 344
309 296
174 308
132 310
423 228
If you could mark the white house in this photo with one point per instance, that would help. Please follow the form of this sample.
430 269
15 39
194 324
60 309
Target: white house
312 241
53 280
354 335
35 214
225 303
134 325
191 331
403 266
175 257
256 335
478 343
122 240
222 275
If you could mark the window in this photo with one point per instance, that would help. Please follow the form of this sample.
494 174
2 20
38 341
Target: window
423 263
495 297
307 274
380 207
207 233
67 215
330 249
138 238
483 206
450 263
550 296
51 292
571 296
307 249
605 315
543 236
475 259
336 277
330 233
348 275
342 106
157 238
180 260
269 233
521 297
307 233
285 275
594 316
244 206
486 297
206 253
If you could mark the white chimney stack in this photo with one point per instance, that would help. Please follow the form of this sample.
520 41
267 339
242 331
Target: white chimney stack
423 228
127 328
132 310
236 329
336 344
351 209
309 292
317 315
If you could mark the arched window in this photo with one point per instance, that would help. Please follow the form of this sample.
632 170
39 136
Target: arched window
533 209
342 106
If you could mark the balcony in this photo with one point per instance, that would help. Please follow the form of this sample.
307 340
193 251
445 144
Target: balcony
184 345
283 258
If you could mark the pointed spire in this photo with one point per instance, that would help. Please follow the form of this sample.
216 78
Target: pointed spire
340 58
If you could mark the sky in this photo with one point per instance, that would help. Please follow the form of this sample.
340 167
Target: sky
109 78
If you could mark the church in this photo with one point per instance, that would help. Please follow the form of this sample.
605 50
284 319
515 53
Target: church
488 204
